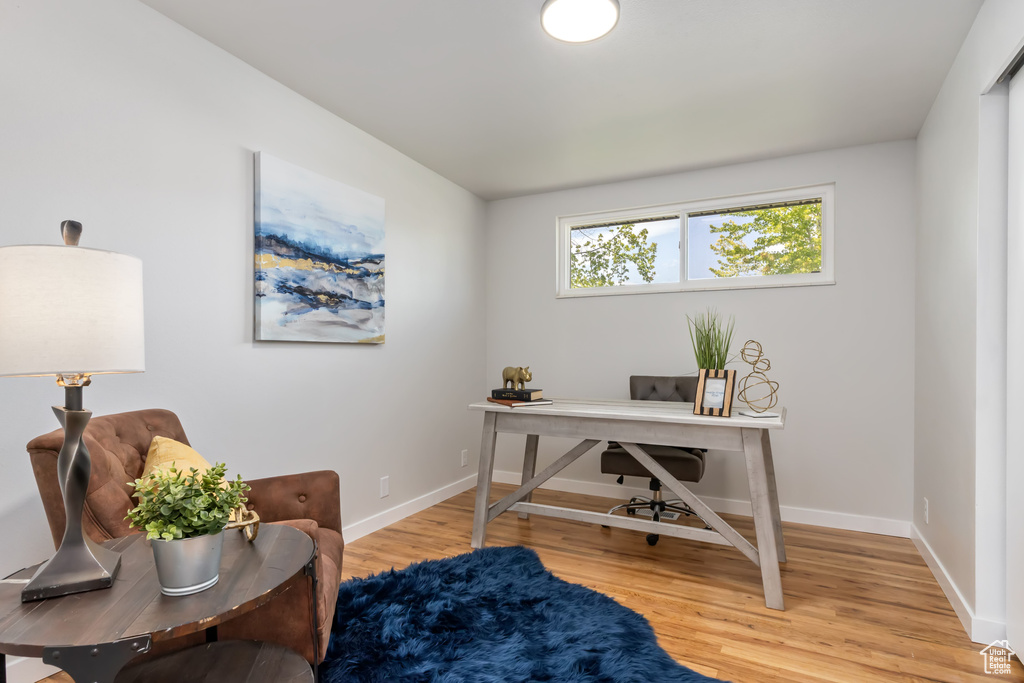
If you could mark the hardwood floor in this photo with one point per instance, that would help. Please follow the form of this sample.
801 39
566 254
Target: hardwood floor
859 607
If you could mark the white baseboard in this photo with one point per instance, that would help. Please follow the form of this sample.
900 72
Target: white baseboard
986 631
825 518
982 631
28 670
398 513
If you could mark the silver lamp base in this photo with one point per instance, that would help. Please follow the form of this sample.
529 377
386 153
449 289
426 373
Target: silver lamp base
73 569
80 564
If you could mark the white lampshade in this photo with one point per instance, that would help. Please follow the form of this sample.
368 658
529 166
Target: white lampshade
579 21
68 310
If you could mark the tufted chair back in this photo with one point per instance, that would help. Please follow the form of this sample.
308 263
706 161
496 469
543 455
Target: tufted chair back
118 445
650 388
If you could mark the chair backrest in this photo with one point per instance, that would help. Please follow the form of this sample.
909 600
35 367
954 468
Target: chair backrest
654 388
118 445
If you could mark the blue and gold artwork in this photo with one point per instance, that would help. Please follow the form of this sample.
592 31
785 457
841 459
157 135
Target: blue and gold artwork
319 257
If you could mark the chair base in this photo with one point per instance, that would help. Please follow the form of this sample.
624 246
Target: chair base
638 503
658 506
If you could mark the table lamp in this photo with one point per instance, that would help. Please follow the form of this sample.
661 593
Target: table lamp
71 312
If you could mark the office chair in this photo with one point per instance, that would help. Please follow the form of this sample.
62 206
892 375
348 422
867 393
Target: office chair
685 464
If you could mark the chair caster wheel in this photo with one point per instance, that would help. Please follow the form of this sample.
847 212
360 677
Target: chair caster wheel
652 539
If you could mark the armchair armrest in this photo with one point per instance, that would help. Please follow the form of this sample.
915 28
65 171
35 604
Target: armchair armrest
310 495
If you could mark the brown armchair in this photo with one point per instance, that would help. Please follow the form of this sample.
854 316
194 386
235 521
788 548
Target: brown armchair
311 502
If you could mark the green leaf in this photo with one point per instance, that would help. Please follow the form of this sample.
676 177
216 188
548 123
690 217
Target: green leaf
710 341
172 504
777 240
598 262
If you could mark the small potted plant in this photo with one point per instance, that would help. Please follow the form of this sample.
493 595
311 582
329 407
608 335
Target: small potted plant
183 514
711 340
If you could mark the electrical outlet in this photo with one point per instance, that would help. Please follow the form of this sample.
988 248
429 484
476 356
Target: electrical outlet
465 457
385 488
925 510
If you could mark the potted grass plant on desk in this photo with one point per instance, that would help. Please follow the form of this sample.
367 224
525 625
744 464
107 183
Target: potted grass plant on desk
711 339
184 515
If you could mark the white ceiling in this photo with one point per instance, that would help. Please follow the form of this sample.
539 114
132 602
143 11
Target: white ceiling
474 90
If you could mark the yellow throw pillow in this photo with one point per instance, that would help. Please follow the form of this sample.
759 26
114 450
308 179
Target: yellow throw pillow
164 452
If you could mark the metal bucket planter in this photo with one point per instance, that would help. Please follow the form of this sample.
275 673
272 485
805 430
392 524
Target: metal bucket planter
188 565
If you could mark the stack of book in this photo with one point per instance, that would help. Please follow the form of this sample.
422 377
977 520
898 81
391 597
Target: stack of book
517 398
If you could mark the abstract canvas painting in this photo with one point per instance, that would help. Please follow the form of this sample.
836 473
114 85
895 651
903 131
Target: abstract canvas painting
319 257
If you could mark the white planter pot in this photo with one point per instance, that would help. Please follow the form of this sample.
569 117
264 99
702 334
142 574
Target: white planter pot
188 565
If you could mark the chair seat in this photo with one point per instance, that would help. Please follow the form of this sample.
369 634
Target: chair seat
683 464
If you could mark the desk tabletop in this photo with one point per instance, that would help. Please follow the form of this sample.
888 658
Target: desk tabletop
646 411
250 575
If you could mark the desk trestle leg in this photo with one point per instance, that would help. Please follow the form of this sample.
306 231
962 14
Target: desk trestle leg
766 554
765 518
483 481
529 466
773 494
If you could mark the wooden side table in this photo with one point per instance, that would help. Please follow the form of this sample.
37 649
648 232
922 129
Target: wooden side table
229 660
93 635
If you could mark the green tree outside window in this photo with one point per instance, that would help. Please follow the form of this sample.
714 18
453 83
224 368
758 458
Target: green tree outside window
786 239
602 257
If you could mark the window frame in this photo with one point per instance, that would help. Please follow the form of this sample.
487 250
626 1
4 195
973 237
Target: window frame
824 192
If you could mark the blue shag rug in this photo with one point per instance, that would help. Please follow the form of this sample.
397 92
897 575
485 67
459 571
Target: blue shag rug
494 615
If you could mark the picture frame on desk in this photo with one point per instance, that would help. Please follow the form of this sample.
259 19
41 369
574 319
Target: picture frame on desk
715 391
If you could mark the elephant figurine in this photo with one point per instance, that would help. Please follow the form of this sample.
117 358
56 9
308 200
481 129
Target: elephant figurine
517 376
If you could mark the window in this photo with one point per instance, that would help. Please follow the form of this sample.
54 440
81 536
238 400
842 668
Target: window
772 239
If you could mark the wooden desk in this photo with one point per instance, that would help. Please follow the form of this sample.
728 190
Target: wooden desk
93 635
630 423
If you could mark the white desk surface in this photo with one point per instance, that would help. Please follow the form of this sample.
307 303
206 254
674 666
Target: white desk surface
650 411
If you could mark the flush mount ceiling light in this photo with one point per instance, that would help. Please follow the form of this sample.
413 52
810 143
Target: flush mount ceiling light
579 21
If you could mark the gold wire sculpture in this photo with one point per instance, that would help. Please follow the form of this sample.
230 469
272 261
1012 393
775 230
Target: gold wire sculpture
246 520
756 390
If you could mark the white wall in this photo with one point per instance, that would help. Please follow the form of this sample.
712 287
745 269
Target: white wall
842 353
115 116
958 466
1014 472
